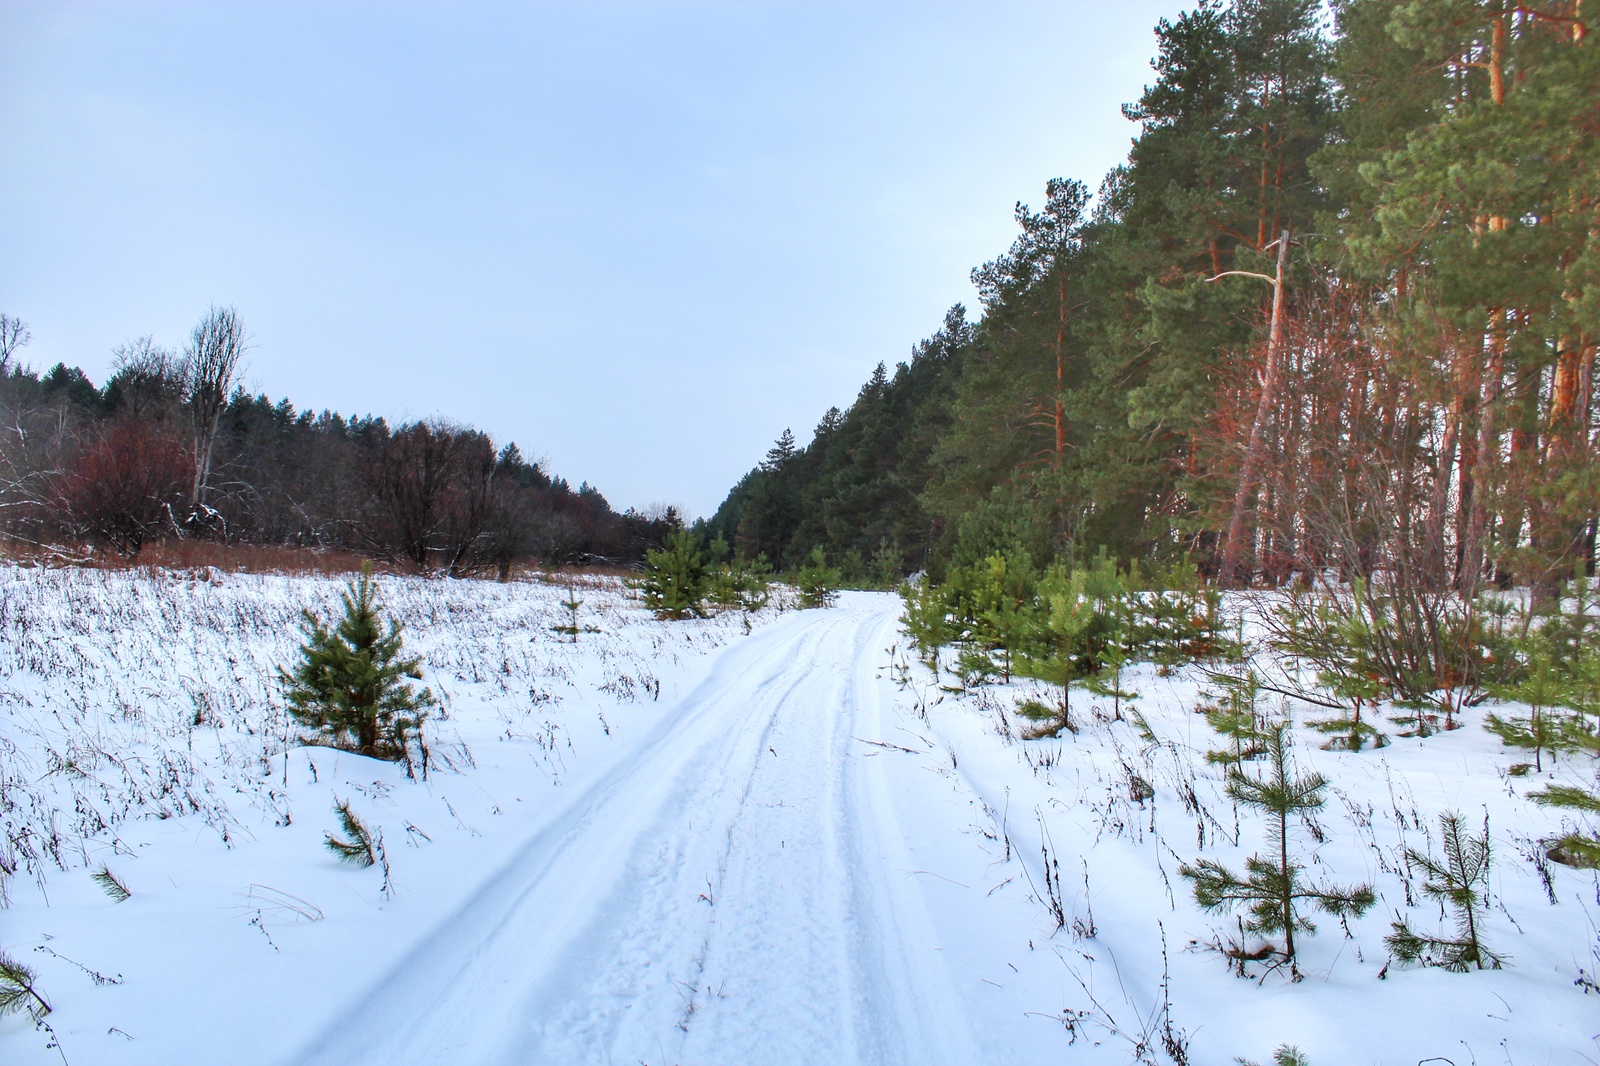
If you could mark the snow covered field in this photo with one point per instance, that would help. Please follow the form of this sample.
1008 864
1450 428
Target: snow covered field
682 842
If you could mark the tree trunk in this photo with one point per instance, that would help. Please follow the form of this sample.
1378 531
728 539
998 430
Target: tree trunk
1264 408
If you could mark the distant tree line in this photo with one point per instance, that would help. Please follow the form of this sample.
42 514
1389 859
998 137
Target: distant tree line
1338 312
173 447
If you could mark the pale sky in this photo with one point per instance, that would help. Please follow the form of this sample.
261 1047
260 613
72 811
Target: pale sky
639 239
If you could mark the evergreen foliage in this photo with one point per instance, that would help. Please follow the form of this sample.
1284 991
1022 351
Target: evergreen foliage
571 628
1580 849
1283 1055
18 990
356 847
817 581
1430 421
675 579
110 884
1460 882
926 619
1235 715
1274 890
351 685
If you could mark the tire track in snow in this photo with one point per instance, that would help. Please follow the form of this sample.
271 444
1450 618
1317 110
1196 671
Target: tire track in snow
718 897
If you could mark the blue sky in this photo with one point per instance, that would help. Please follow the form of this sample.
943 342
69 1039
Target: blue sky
639 239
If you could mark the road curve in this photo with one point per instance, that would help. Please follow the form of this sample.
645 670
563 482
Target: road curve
731 893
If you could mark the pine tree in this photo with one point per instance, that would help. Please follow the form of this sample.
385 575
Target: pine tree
817 581
571 628
350 684
1458 882
1543 686
926 619
1573 849
1273 888
675 580
1235 717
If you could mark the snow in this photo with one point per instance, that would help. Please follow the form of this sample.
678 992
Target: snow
686 842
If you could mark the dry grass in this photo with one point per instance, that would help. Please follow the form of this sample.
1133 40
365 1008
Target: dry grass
189 555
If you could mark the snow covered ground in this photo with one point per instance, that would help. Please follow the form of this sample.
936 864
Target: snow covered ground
688 843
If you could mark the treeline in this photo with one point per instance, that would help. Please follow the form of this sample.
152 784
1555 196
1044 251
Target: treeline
172 447
1336 314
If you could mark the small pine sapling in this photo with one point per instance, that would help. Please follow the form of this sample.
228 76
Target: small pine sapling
1360 685
1066 618
1107 682
1543 686
1457 882
19 991
1004 598
350 684
1273 888
1578 849
358 850
926 620
111 884
675 582
1235 716
571 629
1284 1055
817 581
1117 652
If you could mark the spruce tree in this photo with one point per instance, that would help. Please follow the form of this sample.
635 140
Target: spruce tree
351 682
1273 889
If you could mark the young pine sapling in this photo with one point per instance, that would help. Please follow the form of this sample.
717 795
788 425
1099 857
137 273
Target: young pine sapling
1461 883
817 581
1273 888
358 849
1579 849
350 684
1234 715
572 628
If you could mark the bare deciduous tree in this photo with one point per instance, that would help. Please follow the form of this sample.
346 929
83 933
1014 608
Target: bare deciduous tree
14 334
146 380
210 366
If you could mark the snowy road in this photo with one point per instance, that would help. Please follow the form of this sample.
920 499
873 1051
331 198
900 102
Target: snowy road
736 891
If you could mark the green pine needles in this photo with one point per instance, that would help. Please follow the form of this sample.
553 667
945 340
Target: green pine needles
1235 716
571 628
18 992
1273 890
817 581
111 884
1461 883
1573 849
675 579
1284 1055
351 682
356 846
